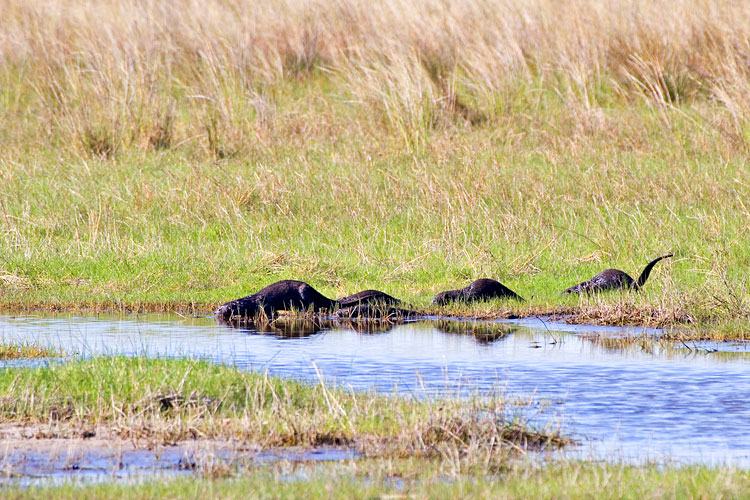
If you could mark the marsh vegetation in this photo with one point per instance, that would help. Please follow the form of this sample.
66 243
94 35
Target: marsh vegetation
154 159
161 402
421 479
25 350
170 156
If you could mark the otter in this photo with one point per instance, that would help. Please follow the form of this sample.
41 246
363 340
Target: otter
367 297
481 289
286 294
611 279
371 304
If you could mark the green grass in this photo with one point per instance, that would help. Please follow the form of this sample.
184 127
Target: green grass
166 401
149 175
175 231
155 160
424 480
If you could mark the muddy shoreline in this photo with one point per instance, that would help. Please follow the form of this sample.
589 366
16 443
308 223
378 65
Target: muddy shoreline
33 451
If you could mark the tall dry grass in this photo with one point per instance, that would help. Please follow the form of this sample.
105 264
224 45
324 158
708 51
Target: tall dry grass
154 74
410 146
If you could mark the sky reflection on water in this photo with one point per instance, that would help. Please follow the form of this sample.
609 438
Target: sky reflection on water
626 404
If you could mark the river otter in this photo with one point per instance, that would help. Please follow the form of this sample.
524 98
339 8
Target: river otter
282 295
481 289
367 297
371 304
613 279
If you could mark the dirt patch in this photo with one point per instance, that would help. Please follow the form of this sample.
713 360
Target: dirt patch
44 438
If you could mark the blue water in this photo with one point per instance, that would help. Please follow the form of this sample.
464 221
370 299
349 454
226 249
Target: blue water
666 403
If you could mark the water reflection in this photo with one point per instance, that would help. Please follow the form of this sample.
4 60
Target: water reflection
291 327
626 400
62 460
482 332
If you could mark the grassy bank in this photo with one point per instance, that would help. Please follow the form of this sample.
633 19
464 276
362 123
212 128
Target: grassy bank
25 350
416 449
159 160
168 401
419 480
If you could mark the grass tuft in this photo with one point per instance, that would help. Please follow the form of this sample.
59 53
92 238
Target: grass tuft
162 401
25 350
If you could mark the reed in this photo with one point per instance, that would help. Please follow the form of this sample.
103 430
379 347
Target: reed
100 79
25 350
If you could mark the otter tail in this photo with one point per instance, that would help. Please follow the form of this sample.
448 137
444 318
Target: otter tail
647 270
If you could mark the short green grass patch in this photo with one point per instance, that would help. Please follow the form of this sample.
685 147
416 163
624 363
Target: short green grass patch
167 400
424 479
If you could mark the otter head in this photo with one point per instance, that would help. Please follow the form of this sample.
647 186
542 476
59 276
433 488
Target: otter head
224 313
241 309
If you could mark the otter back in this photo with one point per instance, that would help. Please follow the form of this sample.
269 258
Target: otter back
367 297
481 289
613 279
282 295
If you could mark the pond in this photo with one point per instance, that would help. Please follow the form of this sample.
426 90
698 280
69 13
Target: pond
625 402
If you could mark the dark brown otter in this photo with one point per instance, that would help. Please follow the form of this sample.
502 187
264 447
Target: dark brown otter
611 279
282 295
367 297
481 289
371 304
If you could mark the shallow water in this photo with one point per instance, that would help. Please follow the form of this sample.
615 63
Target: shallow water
651 401
87 464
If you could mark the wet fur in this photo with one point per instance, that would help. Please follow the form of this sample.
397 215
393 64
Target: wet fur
367 297
372 304
612 279
481 289
282 295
